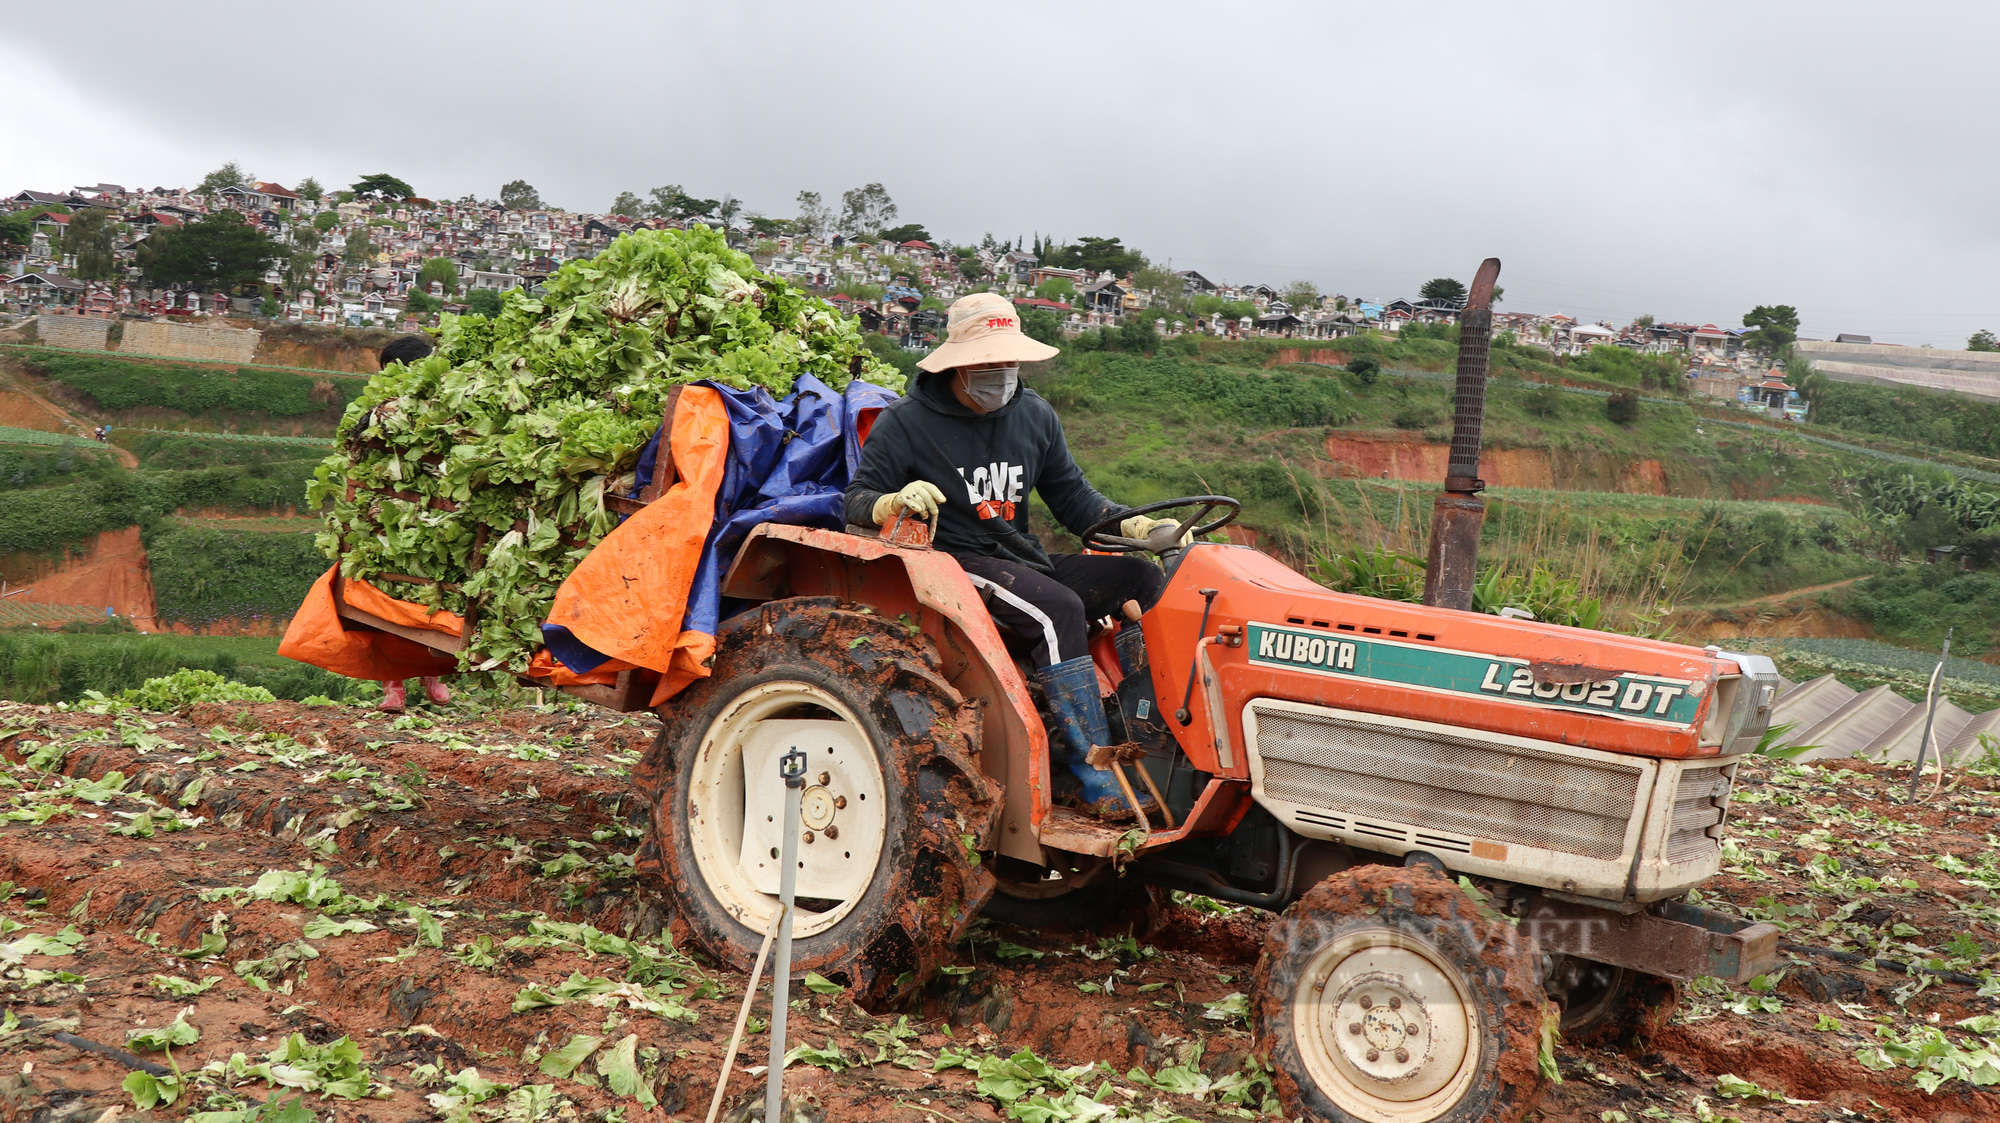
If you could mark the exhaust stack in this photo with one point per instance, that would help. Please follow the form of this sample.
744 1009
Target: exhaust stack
1458 514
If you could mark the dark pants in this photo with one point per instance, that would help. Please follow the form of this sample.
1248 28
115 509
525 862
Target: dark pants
1046 616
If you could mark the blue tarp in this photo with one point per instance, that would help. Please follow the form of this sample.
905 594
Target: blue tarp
789 462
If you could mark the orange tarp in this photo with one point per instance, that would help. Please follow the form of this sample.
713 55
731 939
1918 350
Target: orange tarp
547 666
627 598
318 636
375 602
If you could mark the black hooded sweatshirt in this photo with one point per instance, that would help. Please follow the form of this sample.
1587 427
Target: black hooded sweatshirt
984 463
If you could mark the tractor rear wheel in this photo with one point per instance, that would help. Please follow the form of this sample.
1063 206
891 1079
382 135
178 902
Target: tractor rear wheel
895 806
1384 995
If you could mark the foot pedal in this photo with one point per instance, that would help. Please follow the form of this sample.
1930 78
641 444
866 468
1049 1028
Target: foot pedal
1103 756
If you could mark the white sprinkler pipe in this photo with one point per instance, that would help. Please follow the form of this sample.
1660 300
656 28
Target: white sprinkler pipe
791 766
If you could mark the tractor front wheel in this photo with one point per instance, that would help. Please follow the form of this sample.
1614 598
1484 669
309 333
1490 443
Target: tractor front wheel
894 810
1385 995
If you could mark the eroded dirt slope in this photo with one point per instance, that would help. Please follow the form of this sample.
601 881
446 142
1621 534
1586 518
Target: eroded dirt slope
436 915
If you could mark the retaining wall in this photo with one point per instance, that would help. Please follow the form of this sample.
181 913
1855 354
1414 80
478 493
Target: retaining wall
190 341
78 333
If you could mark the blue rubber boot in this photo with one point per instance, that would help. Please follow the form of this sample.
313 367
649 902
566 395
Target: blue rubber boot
1131 648
1079 726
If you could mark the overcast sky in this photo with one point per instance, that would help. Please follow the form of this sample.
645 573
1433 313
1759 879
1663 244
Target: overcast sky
1686 160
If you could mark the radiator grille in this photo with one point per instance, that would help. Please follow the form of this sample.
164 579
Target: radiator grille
1698 808
1443 782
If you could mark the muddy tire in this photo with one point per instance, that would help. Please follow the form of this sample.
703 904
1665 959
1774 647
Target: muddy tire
1605 1005
1384 996
894 808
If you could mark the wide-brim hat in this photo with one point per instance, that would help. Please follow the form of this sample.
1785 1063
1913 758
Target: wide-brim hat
985 328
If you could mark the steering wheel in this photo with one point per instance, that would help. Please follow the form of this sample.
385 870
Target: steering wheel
1099 536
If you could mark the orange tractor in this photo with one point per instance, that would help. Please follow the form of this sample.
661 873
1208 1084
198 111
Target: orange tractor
1469 825
1349 762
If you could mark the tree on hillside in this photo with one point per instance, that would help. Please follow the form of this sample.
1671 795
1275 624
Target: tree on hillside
676 205
1810 383
1643 322
727 210
629 205
1982 340
228 175
359 248
381 185
89 240
483 302
866 210
325 221
1042 325
219 250
1163 283
442 270
1208 304
15 231
1098 255
1444 289
815 218
662 201
304 258
1301 294
765 227
1056 288
520 196
1774 327
309 190
907 232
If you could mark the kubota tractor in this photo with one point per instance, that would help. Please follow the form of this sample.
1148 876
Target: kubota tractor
1468 824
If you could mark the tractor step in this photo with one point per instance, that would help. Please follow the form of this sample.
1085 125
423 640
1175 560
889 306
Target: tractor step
1070 830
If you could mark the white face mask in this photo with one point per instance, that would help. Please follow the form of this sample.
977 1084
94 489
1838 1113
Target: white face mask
990 389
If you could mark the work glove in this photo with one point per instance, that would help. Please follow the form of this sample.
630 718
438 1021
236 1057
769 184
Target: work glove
920 498
1139 526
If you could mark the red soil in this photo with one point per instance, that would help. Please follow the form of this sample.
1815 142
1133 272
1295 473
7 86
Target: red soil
112 572
463 816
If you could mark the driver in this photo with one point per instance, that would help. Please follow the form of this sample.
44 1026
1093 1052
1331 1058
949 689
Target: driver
963 450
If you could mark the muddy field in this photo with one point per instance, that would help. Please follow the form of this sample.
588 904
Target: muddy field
291 912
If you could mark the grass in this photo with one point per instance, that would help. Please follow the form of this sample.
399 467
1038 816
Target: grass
1918 604
1146 429
177 449
12 436
1636 567
40 665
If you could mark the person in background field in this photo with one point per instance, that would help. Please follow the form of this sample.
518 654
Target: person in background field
409 349
963 450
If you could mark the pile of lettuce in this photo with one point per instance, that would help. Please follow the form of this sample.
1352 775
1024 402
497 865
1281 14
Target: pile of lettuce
522 424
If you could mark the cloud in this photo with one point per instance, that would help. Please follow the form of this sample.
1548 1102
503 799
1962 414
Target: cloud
1687 160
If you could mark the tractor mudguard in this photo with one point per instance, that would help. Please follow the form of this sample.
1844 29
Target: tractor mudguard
923 589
